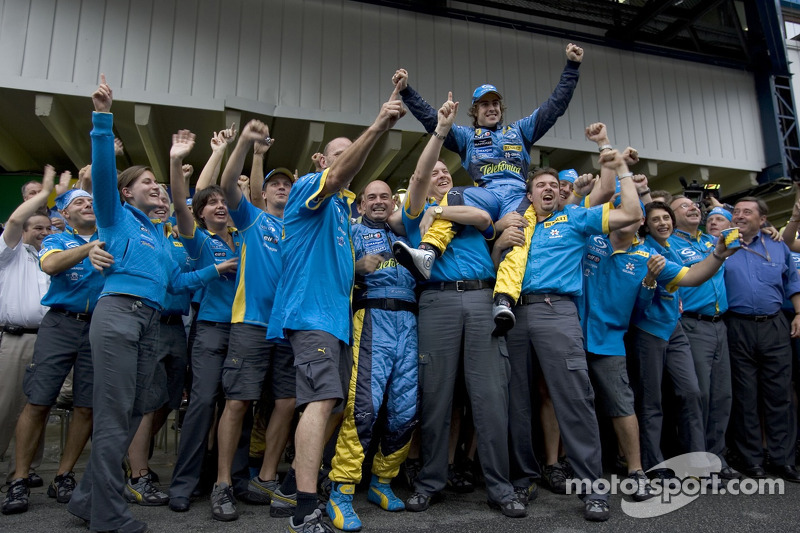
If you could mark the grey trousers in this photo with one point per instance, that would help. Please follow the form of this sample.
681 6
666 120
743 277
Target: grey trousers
124 337
553 331
652 355
208 354
446 320
761 365
709 344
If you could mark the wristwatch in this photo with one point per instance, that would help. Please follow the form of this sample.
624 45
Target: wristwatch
437 212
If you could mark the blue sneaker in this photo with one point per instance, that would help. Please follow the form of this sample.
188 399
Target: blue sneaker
340 507
381 494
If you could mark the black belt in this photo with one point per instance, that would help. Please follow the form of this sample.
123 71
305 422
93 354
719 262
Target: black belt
527 299
12 329
753 318
387 304
83 317
704 318
171 320
460 285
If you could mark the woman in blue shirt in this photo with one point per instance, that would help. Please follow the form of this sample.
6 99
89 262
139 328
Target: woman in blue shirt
124 332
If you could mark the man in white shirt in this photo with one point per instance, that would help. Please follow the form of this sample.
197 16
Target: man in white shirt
22 284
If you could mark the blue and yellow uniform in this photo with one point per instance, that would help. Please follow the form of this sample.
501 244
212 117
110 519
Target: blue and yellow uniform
260 265
318 265
77 288
547 262
496 159
207 248
384 360
178 301
661 316
710 298
616 276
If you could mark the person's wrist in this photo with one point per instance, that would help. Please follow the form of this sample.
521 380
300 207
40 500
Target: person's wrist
441 136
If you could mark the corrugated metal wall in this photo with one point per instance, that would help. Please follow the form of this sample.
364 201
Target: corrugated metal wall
332 60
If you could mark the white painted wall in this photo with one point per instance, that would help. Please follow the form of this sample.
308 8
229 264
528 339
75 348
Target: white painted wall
332 60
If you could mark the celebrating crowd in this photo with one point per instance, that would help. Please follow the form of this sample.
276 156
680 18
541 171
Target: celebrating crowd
501 324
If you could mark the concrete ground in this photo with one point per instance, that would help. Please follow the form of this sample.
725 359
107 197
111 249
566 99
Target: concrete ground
458 514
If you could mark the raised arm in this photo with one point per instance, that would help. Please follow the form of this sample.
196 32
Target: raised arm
13 229
420 180
106 201
255 130
260 148
630 210
422 110
347 165
556 105
182 144
219 141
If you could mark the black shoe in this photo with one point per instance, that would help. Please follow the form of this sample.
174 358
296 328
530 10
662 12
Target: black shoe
755 472
555 478
134 526
457 482
16 501
179 504
787 472
35 480
502 314
62 487
527 494
411 469
643 489
419 502
595 510
513 508
727 473
664 477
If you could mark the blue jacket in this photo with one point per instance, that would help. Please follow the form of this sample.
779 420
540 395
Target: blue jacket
500 155
143 265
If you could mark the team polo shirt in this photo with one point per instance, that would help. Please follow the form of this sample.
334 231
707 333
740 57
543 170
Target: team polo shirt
77 288
661 317
466 257
710 298
207 249
318 266
612 288
178 301
556 247
787 303
260 264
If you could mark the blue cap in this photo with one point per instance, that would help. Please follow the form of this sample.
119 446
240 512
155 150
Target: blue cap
722 212
63 201
485 89
568 175
189 202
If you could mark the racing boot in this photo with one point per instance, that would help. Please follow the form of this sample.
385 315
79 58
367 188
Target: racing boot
340 507
381 494
502 314
419 261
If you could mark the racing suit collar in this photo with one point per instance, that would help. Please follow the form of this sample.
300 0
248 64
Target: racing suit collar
371 223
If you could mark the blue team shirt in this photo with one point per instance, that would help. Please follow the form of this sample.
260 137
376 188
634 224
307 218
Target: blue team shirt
143 265
760 276
557 245
318 266
260 266
208 249
178 301
787 303
612 288
77 288
661 316
390 280
466 257
710 298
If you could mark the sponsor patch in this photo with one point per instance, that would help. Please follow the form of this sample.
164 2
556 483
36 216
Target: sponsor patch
512 147
483 143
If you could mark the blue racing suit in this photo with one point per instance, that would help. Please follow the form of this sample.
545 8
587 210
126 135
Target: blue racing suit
497 159
384 360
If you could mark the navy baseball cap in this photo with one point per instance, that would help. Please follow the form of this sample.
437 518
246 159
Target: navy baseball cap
280 171
485 89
